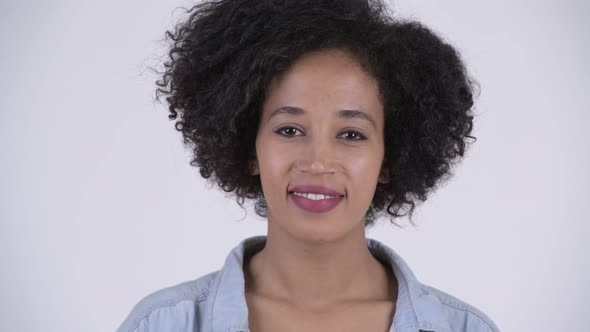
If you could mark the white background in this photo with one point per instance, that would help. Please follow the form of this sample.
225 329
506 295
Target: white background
99 207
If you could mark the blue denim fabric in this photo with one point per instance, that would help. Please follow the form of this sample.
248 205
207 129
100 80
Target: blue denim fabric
216 301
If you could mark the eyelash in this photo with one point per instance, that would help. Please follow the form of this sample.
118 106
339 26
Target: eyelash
360 136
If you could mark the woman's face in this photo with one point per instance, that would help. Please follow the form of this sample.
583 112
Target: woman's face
321 125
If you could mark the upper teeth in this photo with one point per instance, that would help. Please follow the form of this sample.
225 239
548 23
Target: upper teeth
315 197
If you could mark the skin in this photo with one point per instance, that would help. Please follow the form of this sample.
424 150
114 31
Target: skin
316 268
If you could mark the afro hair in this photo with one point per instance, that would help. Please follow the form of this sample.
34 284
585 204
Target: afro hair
223 55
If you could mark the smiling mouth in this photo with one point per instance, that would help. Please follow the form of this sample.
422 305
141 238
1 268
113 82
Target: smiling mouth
312 191
314 202
314 196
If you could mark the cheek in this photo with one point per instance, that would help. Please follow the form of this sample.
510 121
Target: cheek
366 164
364 173
274 163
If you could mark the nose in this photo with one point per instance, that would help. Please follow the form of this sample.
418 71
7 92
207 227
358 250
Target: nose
319 157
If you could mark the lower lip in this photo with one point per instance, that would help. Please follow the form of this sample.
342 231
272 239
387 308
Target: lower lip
316 206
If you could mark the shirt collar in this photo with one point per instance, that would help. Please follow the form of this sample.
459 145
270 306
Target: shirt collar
416 308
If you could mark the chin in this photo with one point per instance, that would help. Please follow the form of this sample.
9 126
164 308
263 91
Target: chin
319 231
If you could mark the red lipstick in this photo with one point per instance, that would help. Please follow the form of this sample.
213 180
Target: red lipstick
309 188
312 203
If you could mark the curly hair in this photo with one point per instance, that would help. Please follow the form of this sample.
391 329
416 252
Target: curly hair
223 56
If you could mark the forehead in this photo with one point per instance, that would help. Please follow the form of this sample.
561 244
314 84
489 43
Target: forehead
326 79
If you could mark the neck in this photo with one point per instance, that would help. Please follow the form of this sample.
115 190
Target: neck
318 275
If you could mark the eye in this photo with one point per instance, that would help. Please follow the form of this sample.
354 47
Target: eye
287 131
353 135
350 135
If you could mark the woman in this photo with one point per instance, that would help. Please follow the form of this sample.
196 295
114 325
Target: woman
327 114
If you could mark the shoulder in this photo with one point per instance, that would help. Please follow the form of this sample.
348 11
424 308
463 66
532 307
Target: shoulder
461 316
172 308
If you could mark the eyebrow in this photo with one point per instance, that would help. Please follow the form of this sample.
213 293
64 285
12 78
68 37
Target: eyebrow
346 114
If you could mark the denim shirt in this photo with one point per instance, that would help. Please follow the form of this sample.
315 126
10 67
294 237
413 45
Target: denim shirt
216 302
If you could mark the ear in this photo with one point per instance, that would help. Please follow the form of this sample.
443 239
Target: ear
384 176
253 167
